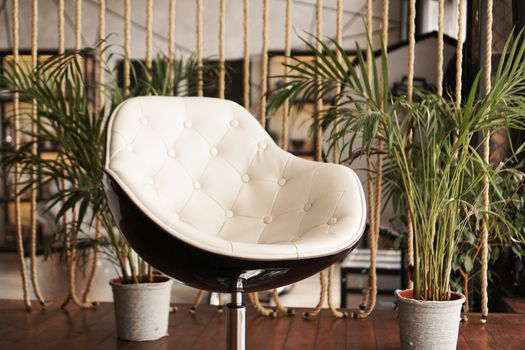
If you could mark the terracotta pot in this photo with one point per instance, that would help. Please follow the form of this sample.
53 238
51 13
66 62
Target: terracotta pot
142 309
428 325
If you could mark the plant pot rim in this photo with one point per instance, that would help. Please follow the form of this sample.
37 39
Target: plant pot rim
405 296
158 282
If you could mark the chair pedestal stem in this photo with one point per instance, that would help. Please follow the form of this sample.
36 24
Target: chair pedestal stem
236 327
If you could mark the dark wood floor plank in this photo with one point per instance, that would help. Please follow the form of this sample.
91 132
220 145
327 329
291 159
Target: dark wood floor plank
15 319
462 343
508 335
303 332
214 335
331 333
360 334
477 335
268 333
95 329
386 329
192 326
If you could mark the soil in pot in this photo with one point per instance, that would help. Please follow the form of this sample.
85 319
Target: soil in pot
428 325
142 309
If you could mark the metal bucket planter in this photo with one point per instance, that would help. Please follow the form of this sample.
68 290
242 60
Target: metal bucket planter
142 309
428 325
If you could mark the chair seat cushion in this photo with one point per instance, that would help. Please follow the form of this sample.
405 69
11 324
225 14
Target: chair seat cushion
206 172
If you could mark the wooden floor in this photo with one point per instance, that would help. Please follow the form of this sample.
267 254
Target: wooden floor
95 329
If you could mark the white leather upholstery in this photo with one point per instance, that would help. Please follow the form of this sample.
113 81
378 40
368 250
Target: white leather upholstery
207 172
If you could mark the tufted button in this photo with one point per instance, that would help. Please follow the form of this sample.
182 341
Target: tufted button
187 124
213 151
262 145
245 178
143 121
176 217
229 214
197 185
282 181
307 206
149 181
332 221
234 123
267 219
171 153
129 148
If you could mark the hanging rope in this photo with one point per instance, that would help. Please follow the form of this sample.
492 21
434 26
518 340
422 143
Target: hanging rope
339 39
101 34
246 54
127 46
16 188
318 148
222 72
199 48
410 92
78 24
336 313
319 101
319 306
279 307
263 311
222 76
486 158
370 184
60 24
94 261
284 132
287 53
264 65
440 48
149 32
459 55
372 273
34 151
171 45
71 239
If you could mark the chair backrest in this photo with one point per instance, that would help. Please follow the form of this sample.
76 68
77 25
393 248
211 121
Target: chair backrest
205 168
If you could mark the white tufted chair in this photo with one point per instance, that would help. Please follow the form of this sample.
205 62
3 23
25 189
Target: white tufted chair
202 193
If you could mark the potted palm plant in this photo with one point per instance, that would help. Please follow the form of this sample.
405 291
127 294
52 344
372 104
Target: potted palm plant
432 147
66 117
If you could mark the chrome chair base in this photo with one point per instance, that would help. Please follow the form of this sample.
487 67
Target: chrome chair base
236 325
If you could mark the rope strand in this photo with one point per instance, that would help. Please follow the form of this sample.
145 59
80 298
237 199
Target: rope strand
34 151
410 91
16 188
365 303
246 54
336 313
322 296
171 46
256 303
339 39
372 291
222 73
127 48
78 24
199 48
149 32
486 158
264 65
287 53
319 101
440 48
459 55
